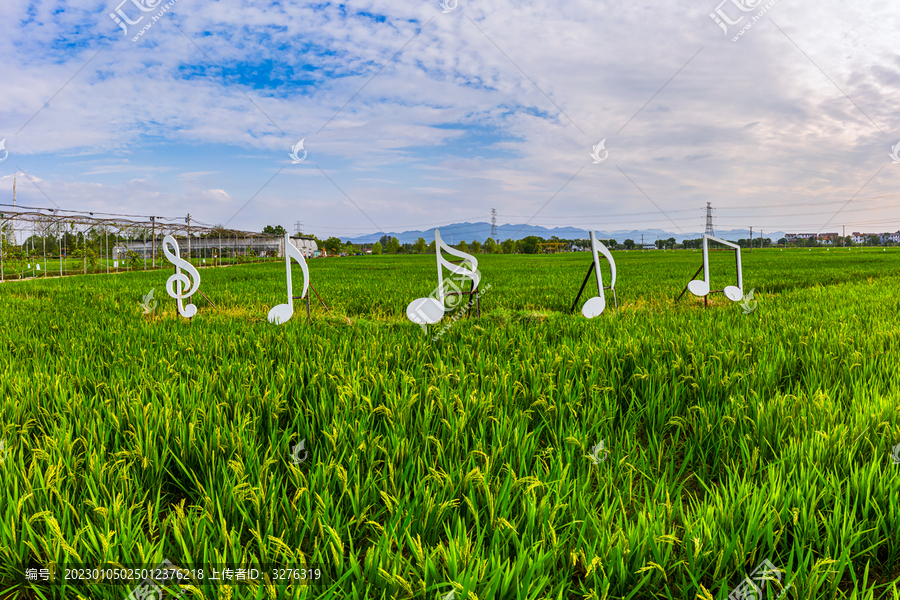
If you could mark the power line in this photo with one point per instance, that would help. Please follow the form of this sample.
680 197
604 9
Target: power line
803 214
637 214
85 212
607 220
805 203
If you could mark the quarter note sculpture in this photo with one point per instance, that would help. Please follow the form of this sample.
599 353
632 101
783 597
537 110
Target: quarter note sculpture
701 287
594 307
430 310
175 282
283 312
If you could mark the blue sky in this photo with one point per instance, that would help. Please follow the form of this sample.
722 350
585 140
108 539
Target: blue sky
413 117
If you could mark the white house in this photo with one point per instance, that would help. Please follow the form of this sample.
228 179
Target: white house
862 238
306 245
793 237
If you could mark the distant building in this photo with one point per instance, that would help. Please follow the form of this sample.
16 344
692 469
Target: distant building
824 238
793 237
307 246
883 238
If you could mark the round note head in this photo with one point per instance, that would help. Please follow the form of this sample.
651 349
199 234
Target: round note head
593 307
734 293
425 311
698 288
280 314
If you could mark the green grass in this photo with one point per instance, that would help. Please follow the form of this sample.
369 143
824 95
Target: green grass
44 267
464 462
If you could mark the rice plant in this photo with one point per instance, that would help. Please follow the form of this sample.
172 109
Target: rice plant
468 464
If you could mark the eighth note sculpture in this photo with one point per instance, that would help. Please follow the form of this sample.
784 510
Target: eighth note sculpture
283 312
175 282
594 306
430 310
701 287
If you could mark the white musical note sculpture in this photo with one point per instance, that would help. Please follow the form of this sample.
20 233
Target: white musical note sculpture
430 310
179 279
594 306
283 312
702 287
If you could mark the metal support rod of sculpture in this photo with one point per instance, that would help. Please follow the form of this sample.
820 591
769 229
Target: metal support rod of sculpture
430 310
595 306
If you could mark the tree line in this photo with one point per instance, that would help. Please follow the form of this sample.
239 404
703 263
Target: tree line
527 245
532 244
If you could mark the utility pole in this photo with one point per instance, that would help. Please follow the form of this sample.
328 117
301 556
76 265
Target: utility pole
642 242
15 240
153 252
14 212
297 227
751 237
494 225
188 221
843 234
709 219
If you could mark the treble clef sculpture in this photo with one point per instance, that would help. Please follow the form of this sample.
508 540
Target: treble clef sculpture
175 282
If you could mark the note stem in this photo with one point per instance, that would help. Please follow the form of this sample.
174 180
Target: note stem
290 287
706 260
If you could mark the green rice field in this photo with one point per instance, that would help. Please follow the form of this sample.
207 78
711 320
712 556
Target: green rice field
466 467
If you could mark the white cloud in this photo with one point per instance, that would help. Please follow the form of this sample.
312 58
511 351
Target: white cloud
744 124
196 175
429 190
217 195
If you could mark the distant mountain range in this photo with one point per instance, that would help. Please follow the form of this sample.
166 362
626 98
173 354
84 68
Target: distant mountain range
457 232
